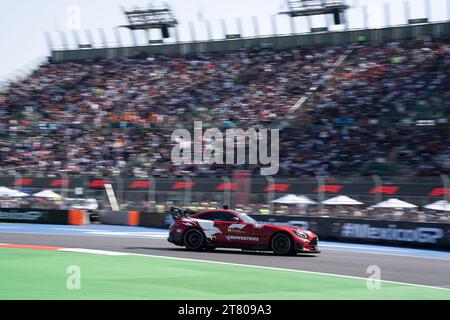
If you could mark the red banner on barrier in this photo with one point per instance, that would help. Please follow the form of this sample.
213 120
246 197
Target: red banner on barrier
226 186
183 185
279 187
140 184
440 192
97 183
329 188
384 190
59 183
25 182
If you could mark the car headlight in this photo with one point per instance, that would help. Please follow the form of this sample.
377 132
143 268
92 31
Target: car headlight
301 234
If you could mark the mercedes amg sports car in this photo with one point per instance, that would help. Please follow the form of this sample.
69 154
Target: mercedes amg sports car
234 229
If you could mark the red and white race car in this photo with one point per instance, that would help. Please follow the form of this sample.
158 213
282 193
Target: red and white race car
235 229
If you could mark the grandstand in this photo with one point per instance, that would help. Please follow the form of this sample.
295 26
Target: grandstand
384 110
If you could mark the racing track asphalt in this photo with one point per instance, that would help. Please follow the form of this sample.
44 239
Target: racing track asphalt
416 270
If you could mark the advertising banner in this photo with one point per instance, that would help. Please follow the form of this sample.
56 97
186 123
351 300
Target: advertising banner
24 215
401 233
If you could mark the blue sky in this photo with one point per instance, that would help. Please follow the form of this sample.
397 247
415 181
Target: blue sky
24 22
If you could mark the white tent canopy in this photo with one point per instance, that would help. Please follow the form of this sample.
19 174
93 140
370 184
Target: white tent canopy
6 192
18 194
394 203
49 194
293 199
10 193
441 205
342 201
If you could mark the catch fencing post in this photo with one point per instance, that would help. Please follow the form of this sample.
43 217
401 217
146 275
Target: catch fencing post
151 191
17 178
120 190
446 182
270 193
226 192
321 193
187 191
64 188
378 185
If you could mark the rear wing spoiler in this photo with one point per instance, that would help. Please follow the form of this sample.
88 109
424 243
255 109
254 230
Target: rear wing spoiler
178 213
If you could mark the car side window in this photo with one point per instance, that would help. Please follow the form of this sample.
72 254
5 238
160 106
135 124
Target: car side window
207 216
225 216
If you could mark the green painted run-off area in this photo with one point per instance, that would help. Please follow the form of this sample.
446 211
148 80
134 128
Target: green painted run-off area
32 274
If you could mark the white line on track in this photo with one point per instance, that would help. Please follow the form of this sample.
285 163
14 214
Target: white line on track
75 229
104 252
356 247
389 254
91 235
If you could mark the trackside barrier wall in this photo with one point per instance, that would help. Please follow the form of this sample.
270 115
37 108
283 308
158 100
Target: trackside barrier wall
396 233
399 233
123 218
43 216
155 220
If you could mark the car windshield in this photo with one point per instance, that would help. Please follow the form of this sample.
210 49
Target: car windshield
245 217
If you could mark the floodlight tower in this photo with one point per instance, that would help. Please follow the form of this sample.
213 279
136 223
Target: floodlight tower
301 8
151 17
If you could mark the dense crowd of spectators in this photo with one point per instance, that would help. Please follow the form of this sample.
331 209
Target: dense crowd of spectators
111 117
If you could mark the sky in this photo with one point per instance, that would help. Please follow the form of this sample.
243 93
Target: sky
24 22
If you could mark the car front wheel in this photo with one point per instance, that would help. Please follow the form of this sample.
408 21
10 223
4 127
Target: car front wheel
194 240
282 244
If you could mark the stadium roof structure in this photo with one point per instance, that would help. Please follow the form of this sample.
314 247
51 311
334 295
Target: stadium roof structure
298 8
150 17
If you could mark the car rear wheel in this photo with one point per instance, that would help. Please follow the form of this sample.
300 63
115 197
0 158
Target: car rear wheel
282 244
194 240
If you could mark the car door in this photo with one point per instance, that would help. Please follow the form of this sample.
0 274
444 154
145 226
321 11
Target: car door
223 220
236 233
